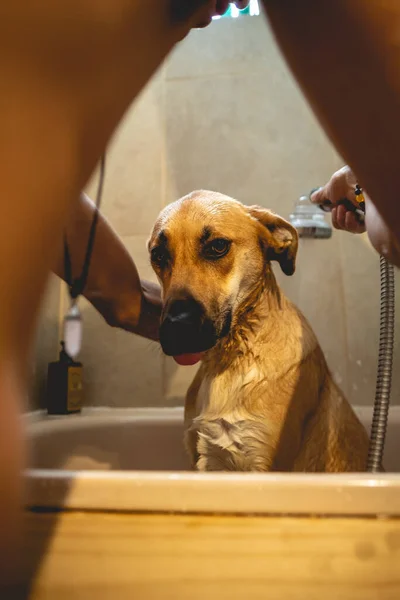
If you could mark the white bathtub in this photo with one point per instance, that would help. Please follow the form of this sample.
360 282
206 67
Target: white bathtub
133 459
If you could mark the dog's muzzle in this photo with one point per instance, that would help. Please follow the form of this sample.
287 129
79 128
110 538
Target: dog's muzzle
185 329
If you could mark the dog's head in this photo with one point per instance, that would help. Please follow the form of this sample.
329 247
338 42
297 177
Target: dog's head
209 253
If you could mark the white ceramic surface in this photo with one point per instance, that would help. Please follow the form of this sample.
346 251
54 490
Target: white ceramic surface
133 459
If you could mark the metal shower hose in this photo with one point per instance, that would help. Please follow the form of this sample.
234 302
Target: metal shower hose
384 375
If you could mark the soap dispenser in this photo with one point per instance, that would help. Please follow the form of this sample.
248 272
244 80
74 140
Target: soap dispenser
64 385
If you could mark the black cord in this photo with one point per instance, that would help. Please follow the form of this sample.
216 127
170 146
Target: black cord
77 286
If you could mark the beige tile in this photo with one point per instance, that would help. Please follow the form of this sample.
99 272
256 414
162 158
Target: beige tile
137 247
46 345
120 369
361 275
320 297
227 46
248 136
133 192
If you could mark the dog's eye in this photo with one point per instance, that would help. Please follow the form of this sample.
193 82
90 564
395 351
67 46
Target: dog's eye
159 256
217 249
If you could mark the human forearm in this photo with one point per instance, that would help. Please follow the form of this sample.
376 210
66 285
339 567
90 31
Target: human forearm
113 286
68 70
345 55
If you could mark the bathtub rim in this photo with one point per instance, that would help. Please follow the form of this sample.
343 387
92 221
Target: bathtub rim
360 494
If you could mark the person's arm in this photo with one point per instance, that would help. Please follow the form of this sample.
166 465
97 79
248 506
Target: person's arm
68 70
346 56
113 286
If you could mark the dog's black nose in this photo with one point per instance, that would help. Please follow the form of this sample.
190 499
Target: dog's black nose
185 312
185 328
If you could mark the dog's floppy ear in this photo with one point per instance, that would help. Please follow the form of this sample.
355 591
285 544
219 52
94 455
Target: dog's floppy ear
279 238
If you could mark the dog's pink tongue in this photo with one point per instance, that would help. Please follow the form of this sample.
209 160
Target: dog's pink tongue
187 360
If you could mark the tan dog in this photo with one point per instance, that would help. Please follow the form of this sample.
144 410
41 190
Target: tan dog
263 398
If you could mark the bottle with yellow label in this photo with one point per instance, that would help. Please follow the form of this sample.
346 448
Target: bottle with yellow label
64 385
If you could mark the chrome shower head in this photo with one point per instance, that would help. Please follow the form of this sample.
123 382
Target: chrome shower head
309 220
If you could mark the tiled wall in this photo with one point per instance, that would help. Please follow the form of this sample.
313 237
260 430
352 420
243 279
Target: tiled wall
46 344
225 114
